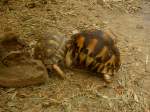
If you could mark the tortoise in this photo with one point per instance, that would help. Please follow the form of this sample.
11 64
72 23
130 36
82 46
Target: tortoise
50 48
94 50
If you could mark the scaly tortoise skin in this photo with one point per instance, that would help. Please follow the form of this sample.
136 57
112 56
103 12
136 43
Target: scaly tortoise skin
94 50
50 49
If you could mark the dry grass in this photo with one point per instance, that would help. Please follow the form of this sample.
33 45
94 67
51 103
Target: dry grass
81 91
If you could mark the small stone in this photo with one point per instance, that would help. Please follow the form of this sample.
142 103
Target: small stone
75 31
25 75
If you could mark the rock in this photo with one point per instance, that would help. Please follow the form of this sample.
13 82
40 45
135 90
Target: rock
17 67
30 73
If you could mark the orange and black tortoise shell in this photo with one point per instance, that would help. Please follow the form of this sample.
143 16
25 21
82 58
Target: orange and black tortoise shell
94 50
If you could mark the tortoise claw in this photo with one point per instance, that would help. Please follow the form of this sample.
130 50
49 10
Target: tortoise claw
107 78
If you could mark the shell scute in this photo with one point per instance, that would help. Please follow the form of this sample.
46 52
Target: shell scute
95 50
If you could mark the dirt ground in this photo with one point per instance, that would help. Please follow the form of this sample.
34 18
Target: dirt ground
82 91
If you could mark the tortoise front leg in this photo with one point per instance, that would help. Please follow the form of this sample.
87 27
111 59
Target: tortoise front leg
58 70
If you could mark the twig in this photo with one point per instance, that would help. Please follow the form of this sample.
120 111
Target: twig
146 62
